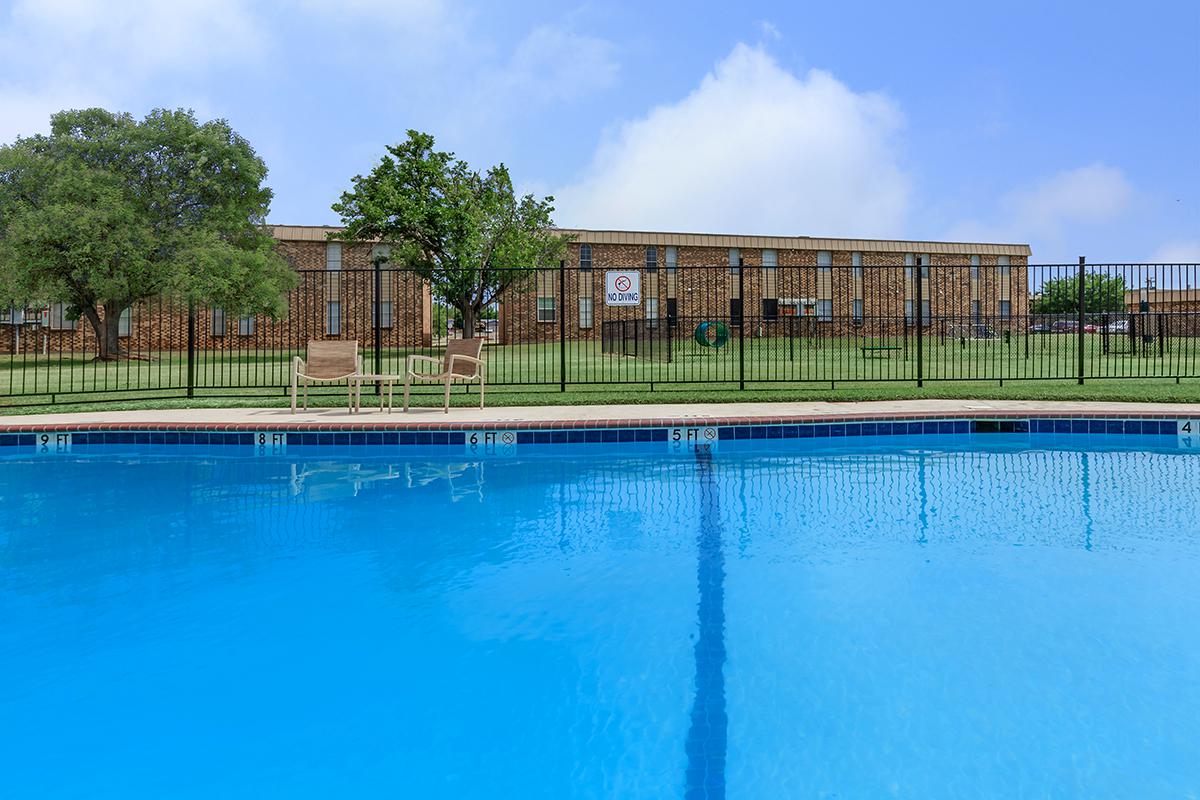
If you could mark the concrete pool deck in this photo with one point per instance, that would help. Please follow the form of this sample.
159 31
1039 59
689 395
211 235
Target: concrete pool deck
601 416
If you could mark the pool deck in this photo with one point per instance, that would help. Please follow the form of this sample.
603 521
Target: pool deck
603 416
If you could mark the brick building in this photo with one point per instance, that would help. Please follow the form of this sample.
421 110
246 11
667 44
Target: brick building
1168 312
835 285
334 300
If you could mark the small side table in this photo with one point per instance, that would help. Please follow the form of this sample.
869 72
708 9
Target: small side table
359 380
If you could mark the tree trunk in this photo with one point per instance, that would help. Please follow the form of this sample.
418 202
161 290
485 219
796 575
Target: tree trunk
107 329
468 314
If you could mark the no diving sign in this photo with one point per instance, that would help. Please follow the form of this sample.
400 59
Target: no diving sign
681 440
622 288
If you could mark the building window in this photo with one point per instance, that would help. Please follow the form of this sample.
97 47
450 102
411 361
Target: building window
908 312
585 312
385 313
381 253
333 317
246 326
333 290
58 318
976 312
735 261
857 310
652 311
125 322
824 308
770 275
856 263
1005 309
672 259
672 310
735 311
546 305
218 322
1004 267
652 259
585 257
975 268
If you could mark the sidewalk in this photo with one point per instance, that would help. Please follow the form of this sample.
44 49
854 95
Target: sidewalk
596 416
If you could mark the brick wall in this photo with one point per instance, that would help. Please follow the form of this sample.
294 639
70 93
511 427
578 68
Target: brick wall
704 285
156 326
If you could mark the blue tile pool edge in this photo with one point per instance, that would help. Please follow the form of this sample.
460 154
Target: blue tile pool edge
247 438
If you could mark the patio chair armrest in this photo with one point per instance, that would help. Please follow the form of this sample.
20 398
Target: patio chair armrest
298 365
471 359
408 364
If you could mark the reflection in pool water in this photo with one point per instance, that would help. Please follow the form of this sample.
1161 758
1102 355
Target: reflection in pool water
912 623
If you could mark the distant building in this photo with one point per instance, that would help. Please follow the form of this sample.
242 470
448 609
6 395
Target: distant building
685 278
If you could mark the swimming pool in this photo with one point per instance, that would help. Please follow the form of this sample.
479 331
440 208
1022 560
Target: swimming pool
988 610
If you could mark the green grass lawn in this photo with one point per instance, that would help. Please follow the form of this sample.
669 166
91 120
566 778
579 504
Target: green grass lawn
1033 367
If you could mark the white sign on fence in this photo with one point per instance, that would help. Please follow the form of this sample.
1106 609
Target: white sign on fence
622 288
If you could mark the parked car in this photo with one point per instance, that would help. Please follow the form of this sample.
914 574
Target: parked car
1064 326
1119 326
1039 327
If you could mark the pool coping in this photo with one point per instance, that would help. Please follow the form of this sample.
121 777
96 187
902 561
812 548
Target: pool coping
714 421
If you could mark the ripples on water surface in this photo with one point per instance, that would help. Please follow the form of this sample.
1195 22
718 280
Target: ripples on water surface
909 623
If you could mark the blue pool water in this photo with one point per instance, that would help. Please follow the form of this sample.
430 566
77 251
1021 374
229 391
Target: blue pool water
943 618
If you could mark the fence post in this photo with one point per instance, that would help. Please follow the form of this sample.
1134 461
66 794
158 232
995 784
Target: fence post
562 325
919 315
741 324
1081 323
377 320
191 349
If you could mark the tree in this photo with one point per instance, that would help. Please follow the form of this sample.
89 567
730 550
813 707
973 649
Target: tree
466 233
107 211
1100 293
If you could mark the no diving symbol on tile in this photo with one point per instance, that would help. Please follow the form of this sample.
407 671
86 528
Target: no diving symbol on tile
491 443
680 440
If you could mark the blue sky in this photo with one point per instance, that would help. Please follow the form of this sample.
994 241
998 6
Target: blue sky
1072 126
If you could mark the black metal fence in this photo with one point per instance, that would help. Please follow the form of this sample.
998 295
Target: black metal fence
743 326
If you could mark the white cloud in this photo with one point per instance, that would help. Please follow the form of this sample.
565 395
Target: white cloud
768 31
1066 201
1091 194
90 36
1179 251
554 63
57 54
755 148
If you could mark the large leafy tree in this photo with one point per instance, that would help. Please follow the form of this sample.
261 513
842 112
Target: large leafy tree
106 211
466 232
1100 293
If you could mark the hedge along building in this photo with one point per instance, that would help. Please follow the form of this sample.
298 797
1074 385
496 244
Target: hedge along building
334 299
835 286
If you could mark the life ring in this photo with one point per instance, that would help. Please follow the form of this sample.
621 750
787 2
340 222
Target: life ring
720 334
